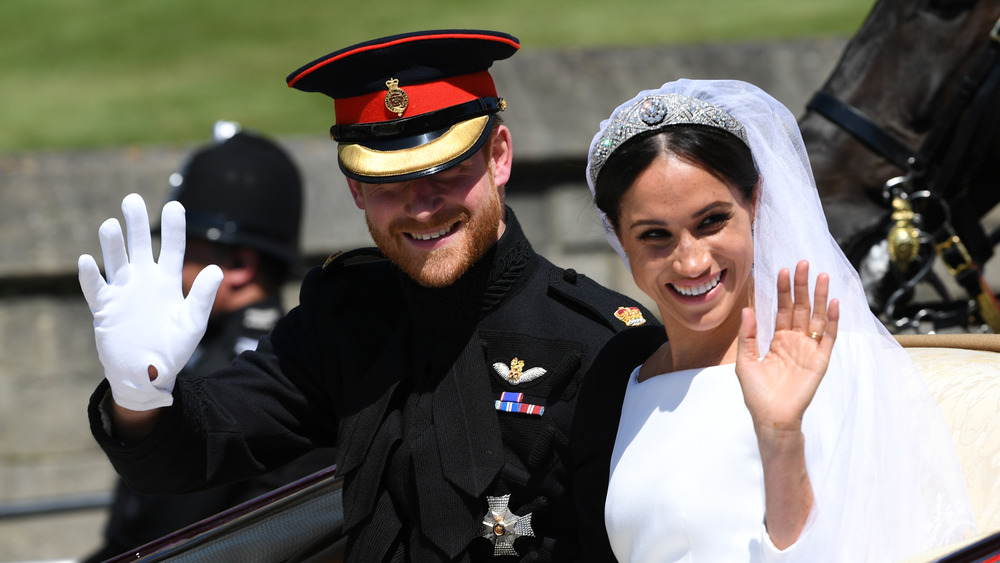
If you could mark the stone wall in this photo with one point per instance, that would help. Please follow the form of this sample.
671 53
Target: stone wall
51 204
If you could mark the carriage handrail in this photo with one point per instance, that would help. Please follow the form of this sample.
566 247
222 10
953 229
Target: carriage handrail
295 522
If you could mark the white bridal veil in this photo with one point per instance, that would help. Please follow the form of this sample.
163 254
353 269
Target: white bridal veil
885 474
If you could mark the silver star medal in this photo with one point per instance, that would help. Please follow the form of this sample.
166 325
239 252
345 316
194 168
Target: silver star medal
516 373
502 527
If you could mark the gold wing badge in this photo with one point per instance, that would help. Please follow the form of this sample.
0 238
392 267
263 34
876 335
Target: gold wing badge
515 373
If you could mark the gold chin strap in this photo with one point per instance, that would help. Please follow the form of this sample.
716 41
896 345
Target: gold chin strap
381 164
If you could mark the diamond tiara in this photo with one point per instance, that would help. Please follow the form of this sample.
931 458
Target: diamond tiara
654 112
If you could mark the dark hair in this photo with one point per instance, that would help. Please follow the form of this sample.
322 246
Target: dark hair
720 153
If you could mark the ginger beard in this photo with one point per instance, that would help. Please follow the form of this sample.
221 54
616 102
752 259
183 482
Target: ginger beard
441 267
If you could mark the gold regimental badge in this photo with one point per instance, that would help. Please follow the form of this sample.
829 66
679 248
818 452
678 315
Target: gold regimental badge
631 316
396 99
904 238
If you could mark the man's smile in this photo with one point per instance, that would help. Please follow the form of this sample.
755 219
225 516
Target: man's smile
432 235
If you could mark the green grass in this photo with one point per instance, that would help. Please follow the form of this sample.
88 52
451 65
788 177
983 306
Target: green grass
91 73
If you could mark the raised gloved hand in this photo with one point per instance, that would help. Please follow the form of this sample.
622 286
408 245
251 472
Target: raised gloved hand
141 317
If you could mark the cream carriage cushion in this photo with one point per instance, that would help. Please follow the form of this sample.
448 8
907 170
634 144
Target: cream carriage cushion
963 373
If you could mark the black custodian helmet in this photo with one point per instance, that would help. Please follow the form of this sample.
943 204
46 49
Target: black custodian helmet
243 190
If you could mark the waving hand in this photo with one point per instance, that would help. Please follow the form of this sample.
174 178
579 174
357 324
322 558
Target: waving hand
778 388
144 326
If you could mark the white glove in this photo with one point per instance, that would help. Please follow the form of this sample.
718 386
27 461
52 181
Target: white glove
141 317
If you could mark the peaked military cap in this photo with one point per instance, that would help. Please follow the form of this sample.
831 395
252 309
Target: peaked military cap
409 105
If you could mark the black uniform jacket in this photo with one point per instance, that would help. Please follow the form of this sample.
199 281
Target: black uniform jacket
405 381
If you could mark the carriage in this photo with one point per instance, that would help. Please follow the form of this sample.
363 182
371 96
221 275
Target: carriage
913 106
303 521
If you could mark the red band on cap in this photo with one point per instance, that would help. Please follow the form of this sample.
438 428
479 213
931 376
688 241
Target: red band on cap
423 98
398 41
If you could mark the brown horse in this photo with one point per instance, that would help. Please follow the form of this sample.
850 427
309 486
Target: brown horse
913 98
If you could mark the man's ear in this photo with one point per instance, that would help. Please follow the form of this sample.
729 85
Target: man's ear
356 192
501 155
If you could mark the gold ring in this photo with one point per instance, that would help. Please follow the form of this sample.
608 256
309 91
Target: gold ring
816 336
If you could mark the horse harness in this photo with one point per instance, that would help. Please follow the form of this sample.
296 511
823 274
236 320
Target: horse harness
939 173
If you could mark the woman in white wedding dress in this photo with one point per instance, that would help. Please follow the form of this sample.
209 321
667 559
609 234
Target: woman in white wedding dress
779 421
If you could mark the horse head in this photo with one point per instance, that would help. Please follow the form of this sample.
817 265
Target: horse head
900 70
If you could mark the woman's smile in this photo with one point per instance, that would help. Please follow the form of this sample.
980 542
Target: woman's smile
700 289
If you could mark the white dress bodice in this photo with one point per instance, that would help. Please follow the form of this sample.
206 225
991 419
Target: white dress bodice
685 468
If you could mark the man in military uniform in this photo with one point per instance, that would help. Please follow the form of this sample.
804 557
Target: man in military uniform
444 365
243 197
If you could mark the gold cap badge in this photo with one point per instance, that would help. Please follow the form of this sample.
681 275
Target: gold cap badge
396 99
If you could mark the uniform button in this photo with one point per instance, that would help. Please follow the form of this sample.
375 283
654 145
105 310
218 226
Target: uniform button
570 276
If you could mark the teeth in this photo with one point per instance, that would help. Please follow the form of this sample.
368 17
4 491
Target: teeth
698 290
431 236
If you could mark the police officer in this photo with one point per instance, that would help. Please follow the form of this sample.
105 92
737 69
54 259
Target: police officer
444 364
243 196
